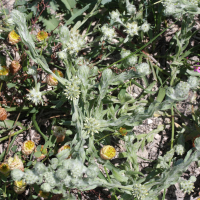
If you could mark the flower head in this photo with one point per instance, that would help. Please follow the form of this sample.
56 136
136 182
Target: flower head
108 33
4 168
145 27
132 28
51 80
131 9
139 191
28 147
35 95
15 163
123 131
43 194
107 152
15 66
91 125
42 35
114 15
13 37
19 186
3 114
197 68
4 70
72 90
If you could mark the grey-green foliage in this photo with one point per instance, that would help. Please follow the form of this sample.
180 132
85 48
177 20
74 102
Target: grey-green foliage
187 185
59 175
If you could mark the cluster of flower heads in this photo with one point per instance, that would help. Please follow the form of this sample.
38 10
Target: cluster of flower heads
74 44
179 7
132 60
132 26
91 125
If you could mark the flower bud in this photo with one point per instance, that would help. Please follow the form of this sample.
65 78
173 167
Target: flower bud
60 133
15 163
15 67
43 194
123 131
13 37
19 186
28 147
107 152
52 81
4 70
4 168
44 153
3 114
42 35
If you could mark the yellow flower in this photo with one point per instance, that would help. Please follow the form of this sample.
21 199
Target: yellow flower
28 147
44 195
63 148
19 186
4 70
42 35
107 152
4 168
13 37
53 81
15 163
123 131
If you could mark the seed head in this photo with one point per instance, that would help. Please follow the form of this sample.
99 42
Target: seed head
15 163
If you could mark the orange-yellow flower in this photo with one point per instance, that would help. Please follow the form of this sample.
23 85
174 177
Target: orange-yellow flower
44 195
15 163
4 70
13 37
19 186
4 168
123 131
28 147
107 152
63 148
42 35
53 81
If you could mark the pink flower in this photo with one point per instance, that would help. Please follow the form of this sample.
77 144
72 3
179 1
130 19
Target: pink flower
197 68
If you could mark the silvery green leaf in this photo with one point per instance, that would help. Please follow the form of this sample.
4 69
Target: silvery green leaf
83 74
63 154
119 176
94 71
197 143
64 34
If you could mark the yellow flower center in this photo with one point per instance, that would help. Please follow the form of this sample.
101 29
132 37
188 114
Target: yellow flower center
42 35
29 145
4 168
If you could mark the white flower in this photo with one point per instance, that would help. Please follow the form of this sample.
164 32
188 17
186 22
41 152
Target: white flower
131 9
72 90
145 27
132 28
124 53
91 125
35 95
132 60
143 69
108 33
30 177
114 15
32 71
62 55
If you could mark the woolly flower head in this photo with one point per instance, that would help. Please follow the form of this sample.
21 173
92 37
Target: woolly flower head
35 95
188 185
143 69
77 168
131 9
182 90
15 163
42 35
132 28
59 131
4 168
145 27
91 125
139 191
17 174
62 55
108 33
32 71
19 187
72 90
180 149
28 147
115 15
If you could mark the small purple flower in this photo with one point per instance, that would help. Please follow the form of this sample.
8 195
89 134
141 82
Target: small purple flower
197 68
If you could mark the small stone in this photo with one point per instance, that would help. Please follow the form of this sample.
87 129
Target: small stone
149 121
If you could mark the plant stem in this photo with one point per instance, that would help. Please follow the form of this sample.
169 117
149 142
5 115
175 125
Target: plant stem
107 175
172 138
6 137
